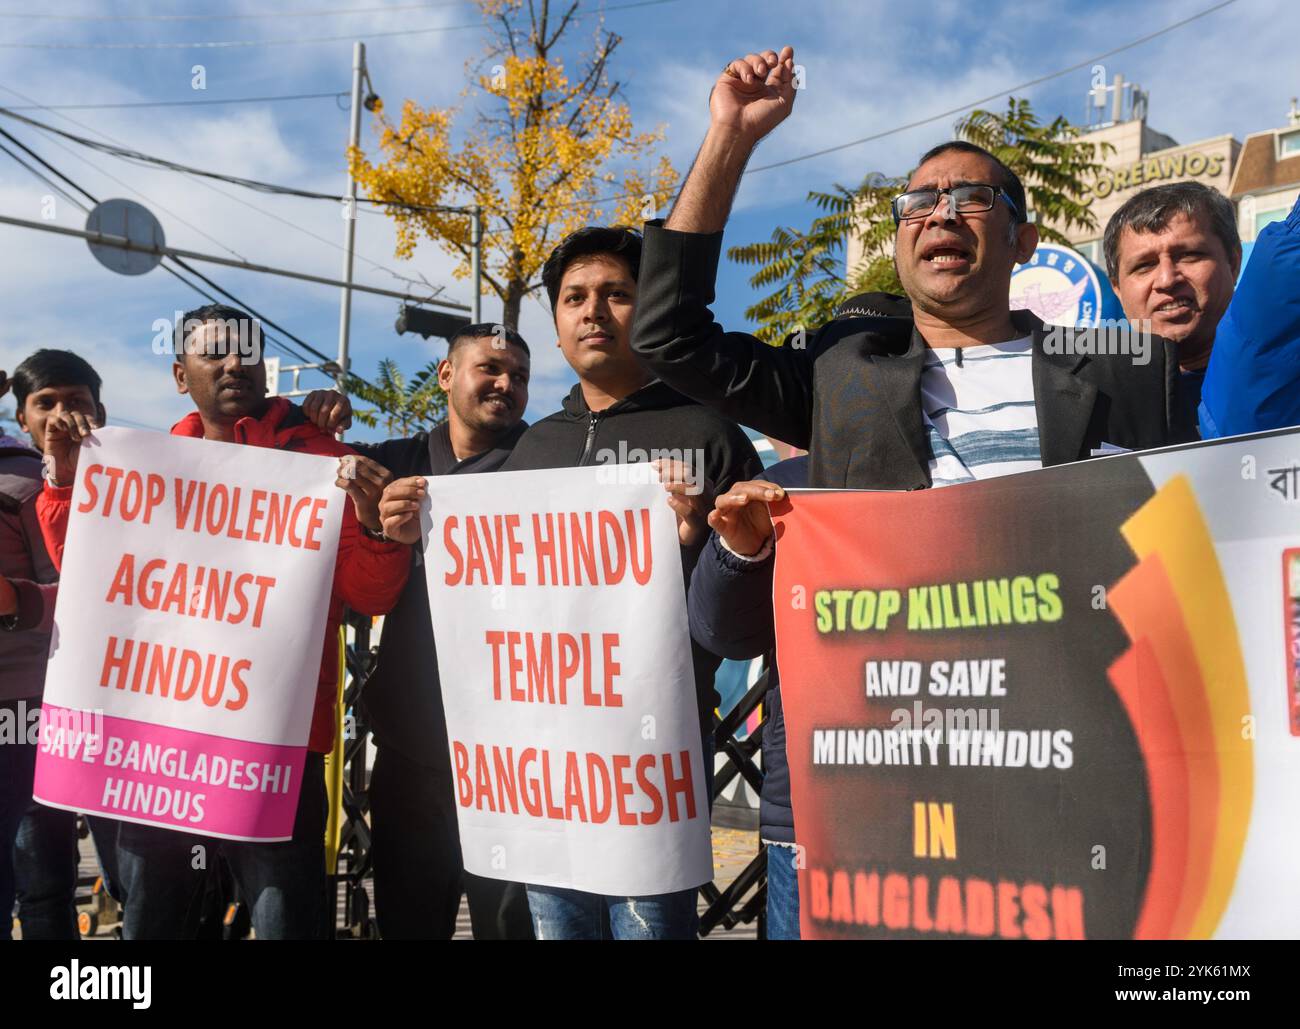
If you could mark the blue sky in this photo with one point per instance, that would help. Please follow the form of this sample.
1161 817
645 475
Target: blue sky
869 67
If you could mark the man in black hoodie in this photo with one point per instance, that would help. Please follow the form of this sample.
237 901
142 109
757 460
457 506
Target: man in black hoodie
619 413
414 838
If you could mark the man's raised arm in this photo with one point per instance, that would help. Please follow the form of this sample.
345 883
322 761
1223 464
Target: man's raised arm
752 96
765 387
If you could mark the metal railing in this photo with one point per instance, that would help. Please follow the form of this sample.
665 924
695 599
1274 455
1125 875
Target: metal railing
728 905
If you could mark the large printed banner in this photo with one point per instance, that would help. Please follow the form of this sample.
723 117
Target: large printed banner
188 633
1061 704
566 671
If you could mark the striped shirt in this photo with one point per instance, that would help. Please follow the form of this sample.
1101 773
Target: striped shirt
980 419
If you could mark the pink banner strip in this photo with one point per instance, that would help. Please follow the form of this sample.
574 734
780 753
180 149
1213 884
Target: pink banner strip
159 775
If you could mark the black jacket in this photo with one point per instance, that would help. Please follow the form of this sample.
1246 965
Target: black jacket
655 421
850 393
25 649
730 605
402 698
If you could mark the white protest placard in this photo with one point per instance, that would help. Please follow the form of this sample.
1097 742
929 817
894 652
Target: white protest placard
565 661
192 606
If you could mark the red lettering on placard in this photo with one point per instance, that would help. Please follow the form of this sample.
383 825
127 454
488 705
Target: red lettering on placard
573 801
609 641
495 639
622 789
452 578
599 808
178 674
140 493
683 786
644 764
92 493
316 523
464 787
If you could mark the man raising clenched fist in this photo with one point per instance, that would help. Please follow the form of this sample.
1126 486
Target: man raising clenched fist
752 96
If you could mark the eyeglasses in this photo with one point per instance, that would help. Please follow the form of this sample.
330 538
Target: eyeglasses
967 199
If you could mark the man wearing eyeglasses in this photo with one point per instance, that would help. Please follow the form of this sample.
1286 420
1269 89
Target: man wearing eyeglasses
965 389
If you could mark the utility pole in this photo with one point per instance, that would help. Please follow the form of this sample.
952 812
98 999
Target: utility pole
476 260
350 214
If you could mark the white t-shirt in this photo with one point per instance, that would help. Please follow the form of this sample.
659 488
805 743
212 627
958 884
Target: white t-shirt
979 412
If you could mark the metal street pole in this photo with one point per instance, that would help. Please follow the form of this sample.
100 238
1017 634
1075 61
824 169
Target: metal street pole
350 214
476 261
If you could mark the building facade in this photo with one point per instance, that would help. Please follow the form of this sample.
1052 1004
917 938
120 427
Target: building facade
1266 179
1261 176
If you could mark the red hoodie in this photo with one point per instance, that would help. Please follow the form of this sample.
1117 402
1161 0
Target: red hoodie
368 575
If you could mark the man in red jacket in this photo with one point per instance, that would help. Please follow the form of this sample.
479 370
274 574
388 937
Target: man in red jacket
219 364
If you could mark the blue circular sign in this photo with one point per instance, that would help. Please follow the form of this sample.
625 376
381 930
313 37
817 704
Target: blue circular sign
1059 285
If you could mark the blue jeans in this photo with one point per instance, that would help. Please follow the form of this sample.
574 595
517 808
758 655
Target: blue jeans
562 914
283 884
38 847
103 832
782 893
573 915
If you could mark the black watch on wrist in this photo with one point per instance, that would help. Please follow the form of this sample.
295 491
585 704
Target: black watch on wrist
378 537
8 623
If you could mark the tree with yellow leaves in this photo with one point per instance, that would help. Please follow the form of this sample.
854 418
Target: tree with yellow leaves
549 153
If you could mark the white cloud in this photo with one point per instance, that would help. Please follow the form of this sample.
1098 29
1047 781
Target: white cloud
869 67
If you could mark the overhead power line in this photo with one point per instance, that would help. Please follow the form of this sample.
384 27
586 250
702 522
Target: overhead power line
206 185
177 103
299 40
948 113
998 95
256 16
127 154
188 268
166 267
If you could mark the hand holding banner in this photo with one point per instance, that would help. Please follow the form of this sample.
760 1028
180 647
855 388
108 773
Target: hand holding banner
188 632
1059 704
566 673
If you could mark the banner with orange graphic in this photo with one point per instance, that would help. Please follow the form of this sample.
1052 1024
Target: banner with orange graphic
1057 705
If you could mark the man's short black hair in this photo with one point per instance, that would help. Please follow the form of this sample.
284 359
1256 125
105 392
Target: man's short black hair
47 368
588 242
212 313
486 330
1151 210
1010 184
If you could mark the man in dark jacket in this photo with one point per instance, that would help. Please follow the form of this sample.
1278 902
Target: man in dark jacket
880 403
618 413
38 844
415 841
219 364
964 389
730 607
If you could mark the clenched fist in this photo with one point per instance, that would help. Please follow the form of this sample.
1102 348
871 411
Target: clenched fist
754 94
